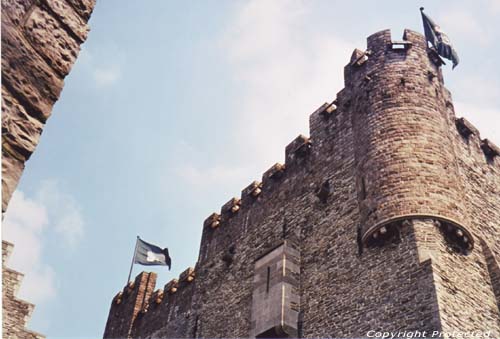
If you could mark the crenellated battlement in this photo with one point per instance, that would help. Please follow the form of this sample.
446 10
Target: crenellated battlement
472 136
16 312
131 307
360 72
134 287
389 191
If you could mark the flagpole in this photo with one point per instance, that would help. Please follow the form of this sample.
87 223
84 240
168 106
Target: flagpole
133 259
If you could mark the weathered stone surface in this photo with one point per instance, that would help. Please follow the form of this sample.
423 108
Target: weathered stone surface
26 74
50 39
83 7
40 42
408 238
38 50
16 312
12 169
132 299
70 18
16 9
20 132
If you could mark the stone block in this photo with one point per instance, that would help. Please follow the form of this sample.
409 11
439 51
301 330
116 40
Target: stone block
83 7
16 10
27 75
489 148
70 18
20 132
12 169
213 221
465 128
49 38
231 207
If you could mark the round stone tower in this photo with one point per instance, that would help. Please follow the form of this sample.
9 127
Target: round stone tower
406 165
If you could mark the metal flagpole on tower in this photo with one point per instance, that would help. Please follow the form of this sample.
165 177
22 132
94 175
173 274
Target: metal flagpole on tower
133 259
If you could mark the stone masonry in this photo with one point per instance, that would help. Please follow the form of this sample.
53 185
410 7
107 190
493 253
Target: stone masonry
386 218
40 42
16 312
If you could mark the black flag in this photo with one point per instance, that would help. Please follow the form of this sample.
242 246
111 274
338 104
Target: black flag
148 254
438 39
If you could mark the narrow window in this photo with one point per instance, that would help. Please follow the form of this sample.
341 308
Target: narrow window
363 188
268 281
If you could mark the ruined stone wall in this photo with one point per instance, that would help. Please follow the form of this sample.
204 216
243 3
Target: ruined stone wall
16 312
40 42
391 210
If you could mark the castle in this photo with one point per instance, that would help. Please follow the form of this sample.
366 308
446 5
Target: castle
386 218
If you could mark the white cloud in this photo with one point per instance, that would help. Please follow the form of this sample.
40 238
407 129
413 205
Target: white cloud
494 6
27 221
24 223
106 76
102 75
207 177
64 212
284 73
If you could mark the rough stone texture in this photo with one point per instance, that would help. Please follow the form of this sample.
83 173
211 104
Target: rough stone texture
392 204
16 312
389 113
49 38
167 306
40 43
127 305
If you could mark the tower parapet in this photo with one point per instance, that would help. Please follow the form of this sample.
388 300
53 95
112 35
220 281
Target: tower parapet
406 162
385 157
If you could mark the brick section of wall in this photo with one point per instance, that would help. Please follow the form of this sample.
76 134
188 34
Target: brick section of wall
494 271
16 312
170 312
40 43
127 304
387 155
464 291
401 131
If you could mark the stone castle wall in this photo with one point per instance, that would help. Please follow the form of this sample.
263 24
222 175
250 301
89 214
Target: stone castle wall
390 205
16 312
40 42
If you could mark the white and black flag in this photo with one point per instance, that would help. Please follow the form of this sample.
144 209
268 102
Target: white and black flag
150 255
438 39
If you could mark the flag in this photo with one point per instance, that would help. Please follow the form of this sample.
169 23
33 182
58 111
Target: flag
438 39
148 254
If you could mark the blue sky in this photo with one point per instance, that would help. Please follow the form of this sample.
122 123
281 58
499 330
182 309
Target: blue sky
173 107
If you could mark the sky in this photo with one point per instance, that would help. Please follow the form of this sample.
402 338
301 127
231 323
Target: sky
173 107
